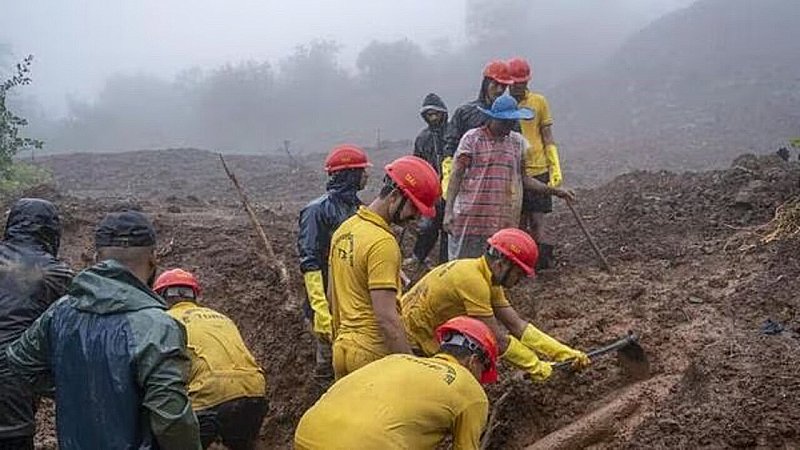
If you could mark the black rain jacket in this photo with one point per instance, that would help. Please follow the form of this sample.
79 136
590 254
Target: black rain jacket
320 218
429 144
31 278
465 118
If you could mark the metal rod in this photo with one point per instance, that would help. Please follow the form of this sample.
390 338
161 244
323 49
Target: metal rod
627 340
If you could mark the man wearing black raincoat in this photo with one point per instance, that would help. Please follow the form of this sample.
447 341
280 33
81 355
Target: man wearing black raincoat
429 145
346 166
31 278
117 361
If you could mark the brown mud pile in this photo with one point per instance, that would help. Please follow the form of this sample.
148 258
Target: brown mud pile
691 276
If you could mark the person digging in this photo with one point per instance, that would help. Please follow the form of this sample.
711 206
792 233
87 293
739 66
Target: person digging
227 386
476 287
406 401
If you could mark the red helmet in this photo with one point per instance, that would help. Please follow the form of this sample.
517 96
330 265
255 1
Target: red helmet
346 157
418 182
479 333
498 71
518 246
177 277
519 70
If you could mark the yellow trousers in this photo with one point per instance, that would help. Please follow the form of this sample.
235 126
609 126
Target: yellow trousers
349 356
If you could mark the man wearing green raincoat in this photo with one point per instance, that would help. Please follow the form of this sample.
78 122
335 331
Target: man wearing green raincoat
116 360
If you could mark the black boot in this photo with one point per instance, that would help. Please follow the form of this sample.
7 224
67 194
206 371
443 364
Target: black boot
546 257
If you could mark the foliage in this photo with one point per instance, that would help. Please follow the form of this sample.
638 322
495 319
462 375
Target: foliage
11 142
21 176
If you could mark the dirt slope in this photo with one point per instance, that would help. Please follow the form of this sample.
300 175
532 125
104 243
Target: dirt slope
691 276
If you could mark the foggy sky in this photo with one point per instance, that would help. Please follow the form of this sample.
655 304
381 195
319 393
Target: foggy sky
78 44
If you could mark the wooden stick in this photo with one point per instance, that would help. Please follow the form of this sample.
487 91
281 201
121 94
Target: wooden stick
596 249
269 256
491 425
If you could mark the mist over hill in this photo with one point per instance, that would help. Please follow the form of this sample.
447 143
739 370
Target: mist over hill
693 89
672 84
315 97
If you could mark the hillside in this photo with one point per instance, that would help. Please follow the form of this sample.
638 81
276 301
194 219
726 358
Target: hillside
690 91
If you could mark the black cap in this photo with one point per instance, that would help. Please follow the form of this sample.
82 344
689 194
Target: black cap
125 229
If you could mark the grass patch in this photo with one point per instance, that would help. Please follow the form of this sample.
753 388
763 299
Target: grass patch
22 176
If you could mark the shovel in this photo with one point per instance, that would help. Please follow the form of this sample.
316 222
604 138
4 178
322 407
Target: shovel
631 356
595 248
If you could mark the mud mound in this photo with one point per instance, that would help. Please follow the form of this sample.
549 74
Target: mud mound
692 277
743 390
697 302
181 173
219 245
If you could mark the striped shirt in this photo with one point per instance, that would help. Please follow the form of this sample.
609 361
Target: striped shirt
490 196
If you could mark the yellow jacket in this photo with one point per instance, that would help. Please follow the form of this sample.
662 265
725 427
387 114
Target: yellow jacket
223 368
456 288
364 256
398 402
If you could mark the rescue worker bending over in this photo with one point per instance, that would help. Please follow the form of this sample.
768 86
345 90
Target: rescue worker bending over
475 287
226 385
365 259
346 166
405 401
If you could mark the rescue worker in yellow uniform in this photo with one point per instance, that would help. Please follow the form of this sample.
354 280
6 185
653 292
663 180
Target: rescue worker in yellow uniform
541 159
409 402
226 385
475 287
364 267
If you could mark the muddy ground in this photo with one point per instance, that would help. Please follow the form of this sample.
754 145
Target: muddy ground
691 275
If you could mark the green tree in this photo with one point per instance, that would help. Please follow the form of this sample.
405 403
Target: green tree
11 142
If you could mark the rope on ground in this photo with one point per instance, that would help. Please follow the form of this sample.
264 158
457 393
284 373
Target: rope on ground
786 223
269 256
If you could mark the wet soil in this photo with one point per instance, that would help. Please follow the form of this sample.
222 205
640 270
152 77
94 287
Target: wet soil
690 275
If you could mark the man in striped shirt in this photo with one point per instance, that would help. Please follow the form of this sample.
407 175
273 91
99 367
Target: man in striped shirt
485 190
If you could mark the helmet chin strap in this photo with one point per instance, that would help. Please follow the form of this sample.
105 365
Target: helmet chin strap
399 209
504 278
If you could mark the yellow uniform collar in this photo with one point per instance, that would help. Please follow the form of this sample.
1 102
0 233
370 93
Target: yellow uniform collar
484 269
185 304
446 357
371 216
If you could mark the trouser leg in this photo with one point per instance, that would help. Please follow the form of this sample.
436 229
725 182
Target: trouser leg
240 422
209 426
323 362
17 443
349 357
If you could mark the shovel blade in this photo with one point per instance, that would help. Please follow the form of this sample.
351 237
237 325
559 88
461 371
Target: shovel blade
633 360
